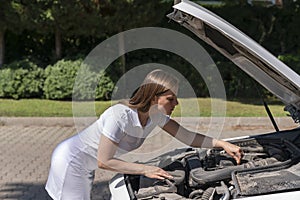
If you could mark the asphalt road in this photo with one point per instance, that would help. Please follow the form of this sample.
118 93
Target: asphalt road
26 145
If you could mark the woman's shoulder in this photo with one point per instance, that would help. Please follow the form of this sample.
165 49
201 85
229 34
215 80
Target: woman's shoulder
118 110
120 107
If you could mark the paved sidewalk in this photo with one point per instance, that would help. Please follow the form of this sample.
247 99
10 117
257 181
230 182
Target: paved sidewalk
26 145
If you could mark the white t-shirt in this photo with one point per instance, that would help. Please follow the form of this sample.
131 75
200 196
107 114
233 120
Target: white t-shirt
120 124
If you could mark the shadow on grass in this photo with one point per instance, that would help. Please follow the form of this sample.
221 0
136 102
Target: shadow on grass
36 191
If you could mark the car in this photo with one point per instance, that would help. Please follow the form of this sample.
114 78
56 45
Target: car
270 168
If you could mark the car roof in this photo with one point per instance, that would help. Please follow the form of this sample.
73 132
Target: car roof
246 53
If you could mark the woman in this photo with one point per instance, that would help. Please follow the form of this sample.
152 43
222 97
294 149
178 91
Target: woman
120 129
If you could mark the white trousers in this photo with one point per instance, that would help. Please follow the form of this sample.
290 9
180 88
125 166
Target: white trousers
71 172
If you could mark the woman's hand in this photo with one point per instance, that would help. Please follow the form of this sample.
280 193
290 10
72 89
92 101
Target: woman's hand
233 150
156 172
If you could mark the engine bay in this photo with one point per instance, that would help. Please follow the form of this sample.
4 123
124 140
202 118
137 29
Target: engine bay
270 165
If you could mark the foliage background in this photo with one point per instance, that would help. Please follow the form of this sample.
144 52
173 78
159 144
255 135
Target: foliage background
46 33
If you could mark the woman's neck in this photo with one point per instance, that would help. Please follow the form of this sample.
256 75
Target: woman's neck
143 117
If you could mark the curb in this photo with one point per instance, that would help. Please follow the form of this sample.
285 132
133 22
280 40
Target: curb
284 122
37 121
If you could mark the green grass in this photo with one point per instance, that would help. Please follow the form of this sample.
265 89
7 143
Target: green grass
48 108
203 107
186 107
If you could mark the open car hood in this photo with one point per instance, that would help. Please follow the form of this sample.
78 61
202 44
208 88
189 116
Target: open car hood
247 54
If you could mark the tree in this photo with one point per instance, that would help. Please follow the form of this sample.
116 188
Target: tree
13 18
122 15
271 26
286 31
65 18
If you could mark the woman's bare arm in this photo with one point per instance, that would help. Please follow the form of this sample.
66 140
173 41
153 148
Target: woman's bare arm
106 160
198 140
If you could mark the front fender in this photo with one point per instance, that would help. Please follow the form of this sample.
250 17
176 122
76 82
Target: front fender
118 188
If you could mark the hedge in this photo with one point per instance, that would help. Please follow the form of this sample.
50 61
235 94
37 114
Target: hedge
21 79
24 79
72 79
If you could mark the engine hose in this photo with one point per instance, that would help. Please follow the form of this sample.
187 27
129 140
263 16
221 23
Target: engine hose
195 193
169 187
208 194
201 176
225 191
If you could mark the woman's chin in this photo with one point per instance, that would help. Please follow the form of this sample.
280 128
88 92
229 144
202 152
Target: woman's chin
169 113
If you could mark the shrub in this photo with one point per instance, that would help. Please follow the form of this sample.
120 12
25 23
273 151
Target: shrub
91 85
72 79
60 79
86 83
105 87
21 79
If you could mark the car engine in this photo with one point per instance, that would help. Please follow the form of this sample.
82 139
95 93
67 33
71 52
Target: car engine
269 165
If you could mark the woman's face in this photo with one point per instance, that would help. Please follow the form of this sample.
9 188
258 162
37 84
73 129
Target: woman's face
167 102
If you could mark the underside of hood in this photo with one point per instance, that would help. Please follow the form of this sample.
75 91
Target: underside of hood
247 54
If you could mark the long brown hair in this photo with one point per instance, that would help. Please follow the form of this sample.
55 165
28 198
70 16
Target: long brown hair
156 83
